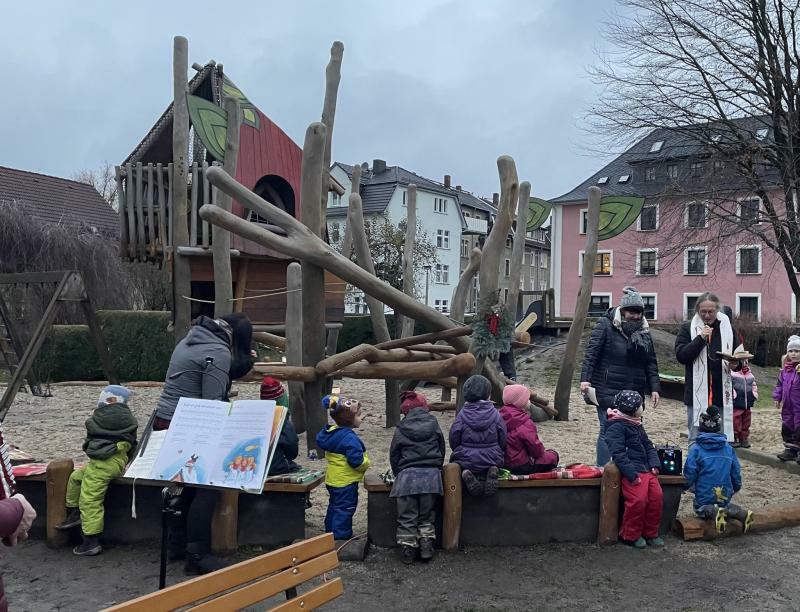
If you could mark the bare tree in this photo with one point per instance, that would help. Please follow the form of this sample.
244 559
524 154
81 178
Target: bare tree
102 179
721 78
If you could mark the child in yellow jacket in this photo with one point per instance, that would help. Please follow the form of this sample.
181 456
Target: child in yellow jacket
347 461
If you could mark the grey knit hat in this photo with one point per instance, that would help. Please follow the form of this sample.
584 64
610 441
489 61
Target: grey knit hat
631 300
793 343
476 388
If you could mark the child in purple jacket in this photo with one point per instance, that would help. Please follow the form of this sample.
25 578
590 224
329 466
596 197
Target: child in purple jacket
478 438
787 398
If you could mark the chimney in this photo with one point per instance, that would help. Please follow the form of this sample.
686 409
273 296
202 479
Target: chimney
447 181
458 187
496 200
378 166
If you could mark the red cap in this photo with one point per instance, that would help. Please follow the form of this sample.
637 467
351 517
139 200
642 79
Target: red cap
411 400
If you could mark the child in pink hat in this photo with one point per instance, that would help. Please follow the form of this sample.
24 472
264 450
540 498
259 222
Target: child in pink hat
525 453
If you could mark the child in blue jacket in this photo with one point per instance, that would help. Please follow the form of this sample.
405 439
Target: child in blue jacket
347 461
712 470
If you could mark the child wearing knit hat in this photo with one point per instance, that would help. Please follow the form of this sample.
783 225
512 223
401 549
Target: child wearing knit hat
787 397
416 456
525 453
287 446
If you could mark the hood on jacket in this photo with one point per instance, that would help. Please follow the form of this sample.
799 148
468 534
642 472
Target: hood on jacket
113 417
480 415
711 441
331 437
513 416
419 425
206 331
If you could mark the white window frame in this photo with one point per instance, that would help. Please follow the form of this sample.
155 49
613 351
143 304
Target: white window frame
602 180
583 214
464 248
624 178
599 252
686 214
507 268
793 308
440 205
739 248
677 172
445 274
686 260
748 295
639 260
445 306
685 310
505 296
336 200
543 260
649 174
656 146
657 206
745 199
655 304
443 239
762 133
405 202
608 294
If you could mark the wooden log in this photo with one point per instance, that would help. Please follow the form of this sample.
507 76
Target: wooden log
461 292
447 334
193 212
450 382
518 250
241 284
454 366
225 523
270 339
313 307
433 348
221 238
282 371
442 406
151 214
162 206
764 519
355 187
123 223
401 354
181 271
336 362
57 476
451 507
294 341
130 206
610 492
206 200
333 75
564 384
141 237
170 209
407 323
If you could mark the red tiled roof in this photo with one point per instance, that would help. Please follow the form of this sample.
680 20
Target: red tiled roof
58 200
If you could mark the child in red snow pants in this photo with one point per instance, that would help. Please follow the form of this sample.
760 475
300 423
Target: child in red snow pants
643 505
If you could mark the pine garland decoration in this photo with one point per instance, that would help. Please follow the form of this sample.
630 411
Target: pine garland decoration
493 328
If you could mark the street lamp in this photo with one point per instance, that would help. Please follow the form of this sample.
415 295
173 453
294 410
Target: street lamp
427 279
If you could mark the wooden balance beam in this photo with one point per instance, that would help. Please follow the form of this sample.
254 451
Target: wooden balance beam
767 519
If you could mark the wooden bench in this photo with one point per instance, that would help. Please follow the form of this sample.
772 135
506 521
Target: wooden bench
253 581
274 518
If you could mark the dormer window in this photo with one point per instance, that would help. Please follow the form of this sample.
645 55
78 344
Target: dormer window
602 180
624 178
656 146
761 133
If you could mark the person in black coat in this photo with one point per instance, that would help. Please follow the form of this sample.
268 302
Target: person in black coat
620 355
286 450
416 456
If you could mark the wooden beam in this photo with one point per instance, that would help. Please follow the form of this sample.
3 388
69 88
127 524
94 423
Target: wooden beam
123 223
225 523
203 231
610 493
333 75
162 206
433 348
151 215
141 237
57 477
451 507
518 251
764 519
407 323
130 206
294 341
355 187
454 366
447 334
461 292
193 218
170 208
282 371
270 340
336 362
564 384
241 284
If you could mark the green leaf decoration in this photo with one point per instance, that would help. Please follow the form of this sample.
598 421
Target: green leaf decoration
538 212
210 124
249 114
617 213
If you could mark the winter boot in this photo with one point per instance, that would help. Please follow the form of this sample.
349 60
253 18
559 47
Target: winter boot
89 547
426 551
788 454
490 488
655 542
408 554
73 519
736 443
747 523
721 520
474 486
745 442
639 543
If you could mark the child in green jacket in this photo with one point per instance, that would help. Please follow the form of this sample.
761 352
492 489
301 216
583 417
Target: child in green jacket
110 441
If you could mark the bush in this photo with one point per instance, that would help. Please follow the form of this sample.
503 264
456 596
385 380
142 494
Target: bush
139 342
357 329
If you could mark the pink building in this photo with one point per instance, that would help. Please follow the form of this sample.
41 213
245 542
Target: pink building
679 246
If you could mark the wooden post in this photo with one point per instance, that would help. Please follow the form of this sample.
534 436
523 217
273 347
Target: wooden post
355 187
170 208
141 238
130 204
162 208
407 327
193 218
313 280
221 238
151 215
123 223
294 341
355 219
610 492
561 400
241 283
225 523
333 75
181 270
451 507
518 252
57 476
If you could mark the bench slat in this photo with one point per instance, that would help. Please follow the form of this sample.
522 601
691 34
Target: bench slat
272 585
202 587
313 598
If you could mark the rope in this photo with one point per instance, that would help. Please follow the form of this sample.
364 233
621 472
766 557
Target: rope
252 297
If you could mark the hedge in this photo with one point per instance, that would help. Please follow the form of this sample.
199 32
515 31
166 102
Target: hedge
140 343
357 330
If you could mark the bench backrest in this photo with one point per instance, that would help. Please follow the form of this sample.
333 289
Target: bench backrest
249 582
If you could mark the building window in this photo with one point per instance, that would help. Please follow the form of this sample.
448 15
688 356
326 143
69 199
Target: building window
748 259
696 169
602 180
443 239
440 205
465 248
509 243
599 304
335 237
603 263
672 171
336 199
359 304
650 307
466 214
748 306
442 274
761 133
543 284
543 260
694 261
749 211
584 220
441 306
696 216
508 268
656 147
535 259
719 166
405 201
648 219
689 304
650 174
624 178
647 262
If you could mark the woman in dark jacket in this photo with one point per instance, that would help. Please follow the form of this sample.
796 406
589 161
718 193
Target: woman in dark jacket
620 355
213 353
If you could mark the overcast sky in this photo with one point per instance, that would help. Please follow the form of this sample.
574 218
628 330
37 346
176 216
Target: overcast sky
436 86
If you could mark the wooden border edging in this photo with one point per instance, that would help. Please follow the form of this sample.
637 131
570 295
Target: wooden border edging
693 528
770 460
610 493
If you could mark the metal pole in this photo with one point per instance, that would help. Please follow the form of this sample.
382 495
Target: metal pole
427 277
